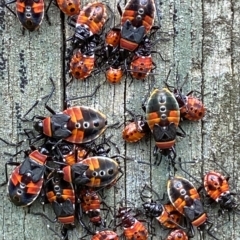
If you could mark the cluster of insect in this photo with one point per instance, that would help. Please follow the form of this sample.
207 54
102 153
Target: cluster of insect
72 172
123 49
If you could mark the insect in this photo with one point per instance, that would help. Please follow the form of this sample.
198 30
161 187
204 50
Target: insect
135 130
142 63
165 214
82 65
94 172
90 21
114 75
26 180
105 235
71 153
217 188
177 234
68 7
90 204
30 13
191 108
60 193
133 229
185 198
102 171
137 20
83 59
79 124
163 116
108 57
112 39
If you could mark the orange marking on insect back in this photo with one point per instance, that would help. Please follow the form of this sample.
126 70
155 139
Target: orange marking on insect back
66 220
68 194
77 113
179 204
152 118
126 44
215 184
95 163
38 157
69 159
165 145
20 6
200 220
194 193
15 176
81 65
51 196
38 7
114 75
76 137
67 174
47 129
94 182
34 188
113 38
174 116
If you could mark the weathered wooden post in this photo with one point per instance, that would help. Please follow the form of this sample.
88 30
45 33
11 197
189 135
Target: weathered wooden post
205 50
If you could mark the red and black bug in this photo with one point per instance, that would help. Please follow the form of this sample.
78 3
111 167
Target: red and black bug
112 40
135 130
79 124
68 7
177 234
163 116
114 74
82 65
107 56
217 188
91 204
83 60
137 20
29 12
142 63
94 172
60 193
90 21
185 198
191 107
26 180
166 214
133 228
102 172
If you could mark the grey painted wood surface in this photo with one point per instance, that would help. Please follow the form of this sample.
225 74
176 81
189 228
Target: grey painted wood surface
206 50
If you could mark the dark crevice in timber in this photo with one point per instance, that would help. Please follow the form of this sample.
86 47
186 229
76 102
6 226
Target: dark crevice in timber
202 84
63 28
22 71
